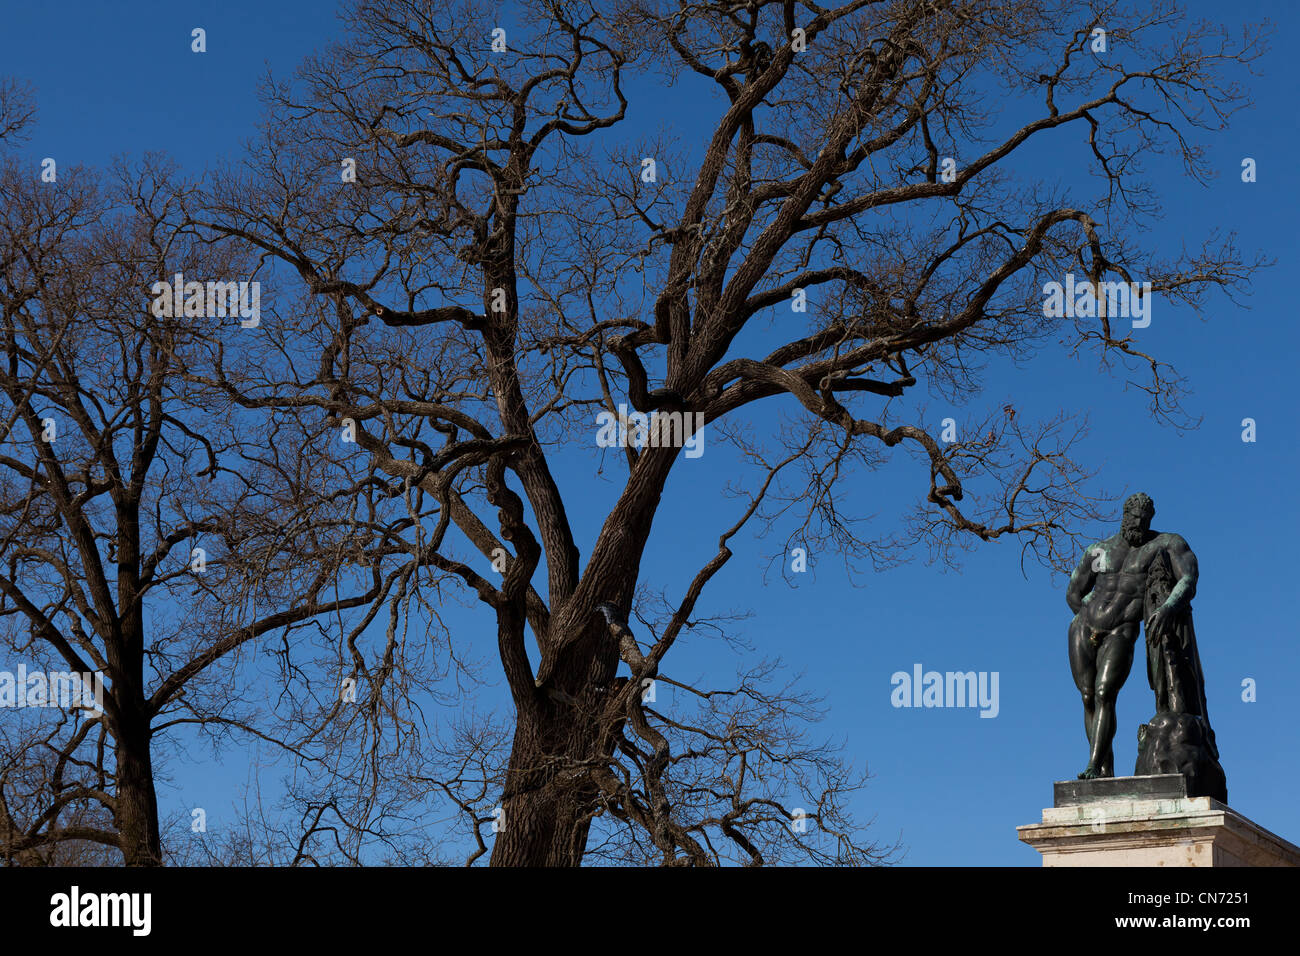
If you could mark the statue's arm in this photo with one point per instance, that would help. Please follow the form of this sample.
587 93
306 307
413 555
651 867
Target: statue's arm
1186 574
1081 581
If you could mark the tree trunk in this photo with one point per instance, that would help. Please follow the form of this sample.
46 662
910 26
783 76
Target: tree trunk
550 796
137 803
548 799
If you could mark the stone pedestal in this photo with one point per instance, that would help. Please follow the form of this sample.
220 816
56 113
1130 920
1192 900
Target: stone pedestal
1149 821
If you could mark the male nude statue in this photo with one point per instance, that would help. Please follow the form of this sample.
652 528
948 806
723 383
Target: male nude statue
1107 593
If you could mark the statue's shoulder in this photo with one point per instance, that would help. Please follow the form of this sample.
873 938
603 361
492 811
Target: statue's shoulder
1172 546
1098 547
1172 541
1106 544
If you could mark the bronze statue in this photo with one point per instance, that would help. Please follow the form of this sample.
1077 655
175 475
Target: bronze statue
1142 576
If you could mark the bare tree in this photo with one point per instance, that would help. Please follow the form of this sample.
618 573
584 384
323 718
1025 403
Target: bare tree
148 529
507 261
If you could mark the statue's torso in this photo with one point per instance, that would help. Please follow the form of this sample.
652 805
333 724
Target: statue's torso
1119 587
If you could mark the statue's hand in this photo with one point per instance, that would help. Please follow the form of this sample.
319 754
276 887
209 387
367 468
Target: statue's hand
1158 623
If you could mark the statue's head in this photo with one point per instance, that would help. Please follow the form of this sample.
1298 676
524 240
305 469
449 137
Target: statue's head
1139 509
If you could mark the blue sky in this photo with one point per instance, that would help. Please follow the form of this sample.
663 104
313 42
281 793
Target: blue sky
119 79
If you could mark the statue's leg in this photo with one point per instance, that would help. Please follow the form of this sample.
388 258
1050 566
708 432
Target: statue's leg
1083 665
1114 661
